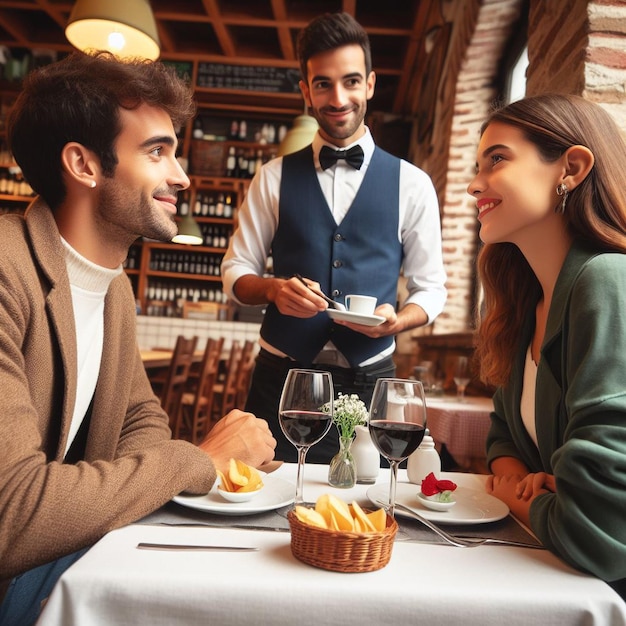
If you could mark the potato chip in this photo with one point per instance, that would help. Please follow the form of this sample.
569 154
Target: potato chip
225 483
341 513
361 517
378 519
240 477
321 506
310 516
235 475
332 513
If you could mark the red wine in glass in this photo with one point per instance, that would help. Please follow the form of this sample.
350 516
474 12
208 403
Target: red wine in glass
304 428
397 423
396 440
305 413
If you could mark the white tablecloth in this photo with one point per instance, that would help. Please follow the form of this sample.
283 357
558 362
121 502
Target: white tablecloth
462 427
114 583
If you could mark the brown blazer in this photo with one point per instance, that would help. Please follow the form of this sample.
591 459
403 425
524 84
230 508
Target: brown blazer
131 466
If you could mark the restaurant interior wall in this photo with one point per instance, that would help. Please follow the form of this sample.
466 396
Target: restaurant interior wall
460 44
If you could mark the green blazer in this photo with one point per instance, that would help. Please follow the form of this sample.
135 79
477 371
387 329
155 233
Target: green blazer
580 409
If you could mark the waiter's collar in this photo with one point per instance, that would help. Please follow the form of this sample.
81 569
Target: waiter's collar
366 142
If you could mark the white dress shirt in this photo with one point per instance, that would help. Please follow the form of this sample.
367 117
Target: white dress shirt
419 227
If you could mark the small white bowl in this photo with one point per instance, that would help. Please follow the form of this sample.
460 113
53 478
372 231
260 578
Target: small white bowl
435 505
238 496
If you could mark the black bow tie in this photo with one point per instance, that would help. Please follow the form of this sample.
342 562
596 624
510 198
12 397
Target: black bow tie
353 156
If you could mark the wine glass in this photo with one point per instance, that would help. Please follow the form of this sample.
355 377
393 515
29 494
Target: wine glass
461 375
397 423
302 417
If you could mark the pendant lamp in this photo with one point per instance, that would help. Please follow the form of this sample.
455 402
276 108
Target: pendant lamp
126 28
188 232
300 135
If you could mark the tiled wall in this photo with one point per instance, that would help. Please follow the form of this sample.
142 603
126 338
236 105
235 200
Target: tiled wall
161 332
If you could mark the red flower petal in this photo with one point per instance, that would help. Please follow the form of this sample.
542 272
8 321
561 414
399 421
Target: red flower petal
431 486
446 485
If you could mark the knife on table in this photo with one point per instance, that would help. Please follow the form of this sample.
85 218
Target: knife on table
191 548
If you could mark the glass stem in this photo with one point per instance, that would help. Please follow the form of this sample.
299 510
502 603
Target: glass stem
392 486
300 479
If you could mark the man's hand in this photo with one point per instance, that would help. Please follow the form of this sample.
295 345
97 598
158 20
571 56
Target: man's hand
382 330
240 436
294 298
410 316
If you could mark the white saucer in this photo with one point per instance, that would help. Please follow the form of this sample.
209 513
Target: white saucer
275 494
355 318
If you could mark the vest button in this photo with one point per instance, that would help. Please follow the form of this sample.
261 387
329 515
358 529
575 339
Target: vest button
336 293
338 237
337 263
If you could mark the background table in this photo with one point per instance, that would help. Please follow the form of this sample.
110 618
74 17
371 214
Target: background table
462 427
114 583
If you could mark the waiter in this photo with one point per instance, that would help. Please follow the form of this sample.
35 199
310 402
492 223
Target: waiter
346 216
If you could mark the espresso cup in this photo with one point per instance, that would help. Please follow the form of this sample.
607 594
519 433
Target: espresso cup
363 305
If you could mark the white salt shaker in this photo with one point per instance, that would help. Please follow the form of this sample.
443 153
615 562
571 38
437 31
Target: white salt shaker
424 461
366 456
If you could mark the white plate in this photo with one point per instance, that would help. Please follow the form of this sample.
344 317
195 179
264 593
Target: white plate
355 318
472 506
275 494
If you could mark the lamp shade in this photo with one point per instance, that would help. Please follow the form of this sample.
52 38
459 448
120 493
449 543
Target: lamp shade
300 135
188 232
126 28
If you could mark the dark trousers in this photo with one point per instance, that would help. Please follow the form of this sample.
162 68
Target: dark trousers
267 383
23 601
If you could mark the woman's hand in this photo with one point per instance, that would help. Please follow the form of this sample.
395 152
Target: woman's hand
534 484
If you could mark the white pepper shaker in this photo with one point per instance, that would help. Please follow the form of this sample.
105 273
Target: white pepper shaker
424 461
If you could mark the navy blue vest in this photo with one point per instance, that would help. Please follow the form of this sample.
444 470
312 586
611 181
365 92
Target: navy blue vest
361 255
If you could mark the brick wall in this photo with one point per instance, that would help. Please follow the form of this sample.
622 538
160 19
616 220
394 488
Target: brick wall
472 97
575 47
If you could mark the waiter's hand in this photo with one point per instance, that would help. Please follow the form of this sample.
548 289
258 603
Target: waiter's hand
292 297
410 316
388 327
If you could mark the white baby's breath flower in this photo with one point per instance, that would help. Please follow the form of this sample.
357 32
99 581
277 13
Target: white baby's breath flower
349 411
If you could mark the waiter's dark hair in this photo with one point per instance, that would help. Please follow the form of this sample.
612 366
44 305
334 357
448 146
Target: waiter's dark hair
330 31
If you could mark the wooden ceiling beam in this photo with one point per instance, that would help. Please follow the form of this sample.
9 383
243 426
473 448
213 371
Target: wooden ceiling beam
221 31
284 33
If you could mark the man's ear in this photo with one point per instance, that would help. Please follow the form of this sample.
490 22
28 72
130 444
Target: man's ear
579 162
370 85
304 88
80 164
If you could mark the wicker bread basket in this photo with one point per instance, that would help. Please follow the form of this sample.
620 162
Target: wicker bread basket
341 551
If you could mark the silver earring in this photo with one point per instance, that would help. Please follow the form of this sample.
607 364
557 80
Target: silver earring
563 191
93 184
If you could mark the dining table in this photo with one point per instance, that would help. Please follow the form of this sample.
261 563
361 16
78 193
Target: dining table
461 427
160 358
425 582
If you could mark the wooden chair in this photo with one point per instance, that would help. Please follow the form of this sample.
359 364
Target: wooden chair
244 375
176 378
225 390
194 418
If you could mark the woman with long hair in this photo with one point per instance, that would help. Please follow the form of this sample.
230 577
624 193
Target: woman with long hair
551 204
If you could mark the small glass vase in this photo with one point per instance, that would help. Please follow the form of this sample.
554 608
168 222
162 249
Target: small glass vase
342 469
